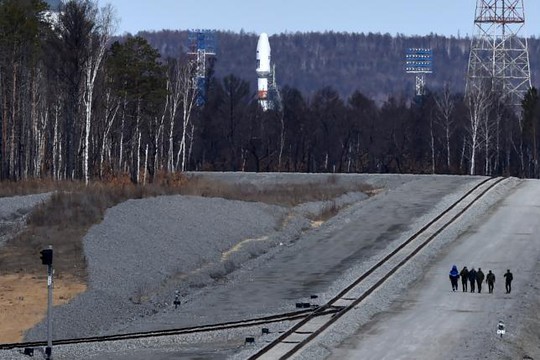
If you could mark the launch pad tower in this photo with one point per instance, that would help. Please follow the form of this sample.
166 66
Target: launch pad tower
201 48
499 57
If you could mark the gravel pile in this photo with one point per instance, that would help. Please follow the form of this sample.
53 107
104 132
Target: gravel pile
143 245
13 211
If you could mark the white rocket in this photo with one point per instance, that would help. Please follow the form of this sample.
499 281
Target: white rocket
264 71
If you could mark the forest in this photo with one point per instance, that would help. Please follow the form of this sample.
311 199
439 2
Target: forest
373 64
78 103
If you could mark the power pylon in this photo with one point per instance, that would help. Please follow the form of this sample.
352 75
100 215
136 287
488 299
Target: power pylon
499 57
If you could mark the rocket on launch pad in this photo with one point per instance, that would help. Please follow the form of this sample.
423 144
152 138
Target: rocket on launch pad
264 71
267 89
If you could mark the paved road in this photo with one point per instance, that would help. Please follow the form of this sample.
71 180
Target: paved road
432 322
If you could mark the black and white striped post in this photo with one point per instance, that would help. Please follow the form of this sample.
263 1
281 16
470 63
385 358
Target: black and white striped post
46 259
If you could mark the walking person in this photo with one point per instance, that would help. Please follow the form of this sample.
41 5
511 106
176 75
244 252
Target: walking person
479 279
472 278
454 276
508 281
464 278
490 279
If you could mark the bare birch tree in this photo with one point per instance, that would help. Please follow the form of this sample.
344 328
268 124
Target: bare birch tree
112 106
478 102
282 139
40 121
174 84
188 94
105 25
445 108
432 141
489 130
529 129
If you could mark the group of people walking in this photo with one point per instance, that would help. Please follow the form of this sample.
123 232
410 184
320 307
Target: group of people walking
475 278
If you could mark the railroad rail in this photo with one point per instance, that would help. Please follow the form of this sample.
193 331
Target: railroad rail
307 329
179 331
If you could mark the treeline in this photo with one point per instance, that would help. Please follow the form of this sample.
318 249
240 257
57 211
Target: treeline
439 133
78 104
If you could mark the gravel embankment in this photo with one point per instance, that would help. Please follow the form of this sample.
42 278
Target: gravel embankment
13 211
143 245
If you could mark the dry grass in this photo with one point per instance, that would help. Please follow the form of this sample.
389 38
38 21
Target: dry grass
329 210
279 194
64 220
13 188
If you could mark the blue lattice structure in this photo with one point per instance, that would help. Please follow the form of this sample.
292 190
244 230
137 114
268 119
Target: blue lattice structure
419 61
201 47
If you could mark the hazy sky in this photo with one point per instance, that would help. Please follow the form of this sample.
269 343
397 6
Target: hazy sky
409 17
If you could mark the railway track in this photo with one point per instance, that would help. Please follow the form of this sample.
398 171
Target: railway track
307 329
181 331
312 322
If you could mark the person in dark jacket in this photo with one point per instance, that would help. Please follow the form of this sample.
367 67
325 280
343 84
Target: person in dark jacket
508 277
464 278
490 279
472 278
479 279
454 276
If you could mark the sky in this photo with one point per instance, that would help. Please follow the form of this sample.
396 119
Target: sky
407 17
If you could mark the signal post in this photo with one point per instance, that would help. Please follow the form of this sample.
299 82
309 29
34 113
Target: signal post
46 259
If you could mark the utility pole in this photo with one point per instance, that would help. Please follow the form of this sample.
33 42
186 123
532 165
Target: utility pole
46 259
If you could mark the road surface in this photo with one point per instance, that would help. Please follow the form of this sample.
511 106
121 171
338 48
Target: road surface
432 322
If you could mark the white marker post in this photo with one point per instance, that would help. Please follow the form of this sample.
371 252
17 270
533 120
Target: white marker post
501 328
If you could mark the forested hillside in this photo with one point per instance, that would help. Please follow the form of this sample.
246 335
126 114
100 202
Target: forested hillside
370 63
77 103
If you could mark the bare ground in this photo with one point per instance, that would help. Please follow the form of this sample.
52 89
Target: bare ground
23 301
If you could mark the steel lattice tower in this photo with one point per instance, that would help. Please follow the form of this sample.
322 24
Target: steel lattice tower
202 46
499 57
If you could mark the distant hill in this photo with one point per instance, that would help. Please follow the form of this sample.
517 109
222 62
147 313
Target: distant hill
371 63
54 4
